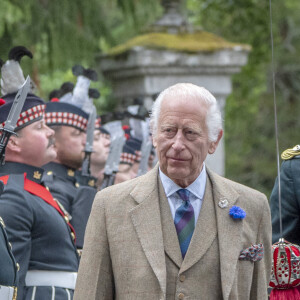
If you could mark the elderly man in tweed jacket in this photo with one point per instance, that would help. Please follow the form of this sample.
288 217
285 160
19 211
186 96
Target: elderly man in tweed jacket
180 231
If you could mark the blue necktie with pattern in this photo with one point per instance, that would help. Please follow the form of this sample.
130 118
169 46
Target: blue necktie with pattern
184 221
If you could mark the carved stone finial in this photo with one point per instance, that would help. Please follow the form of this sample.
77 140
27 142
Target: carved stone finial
173 20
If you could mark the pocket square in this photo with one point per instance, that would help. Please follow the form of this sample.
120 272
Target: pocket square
253 253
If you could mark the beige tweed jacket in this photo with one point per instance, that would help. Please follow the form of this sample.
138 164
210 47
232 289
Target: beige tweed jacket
131 249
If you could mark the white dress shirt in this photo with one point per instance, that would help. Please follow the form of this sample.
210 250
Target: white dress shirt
197 189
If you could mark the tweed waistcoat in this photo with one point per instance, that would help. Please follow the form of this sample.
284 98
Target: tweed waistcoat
208 267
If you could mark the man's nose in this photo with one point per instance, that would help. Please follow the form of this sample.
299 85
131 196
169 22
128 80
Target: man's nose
178 141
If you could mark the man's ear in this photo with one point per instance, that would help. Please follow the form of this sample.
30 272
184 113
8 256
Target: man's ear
154 142
14 144
213 145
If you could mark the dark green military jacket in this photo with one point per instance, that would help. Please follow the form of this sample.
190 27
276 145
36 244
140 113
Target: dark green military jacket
290 200
74 193
41 238
8 270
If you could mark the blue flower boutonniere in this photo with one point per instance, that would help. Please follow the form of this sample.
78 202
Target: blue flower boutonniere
236 212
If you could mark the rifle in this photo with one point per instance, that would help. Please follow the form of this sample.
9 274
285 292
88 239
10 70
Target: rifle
13 117
85 169
116 146
145 149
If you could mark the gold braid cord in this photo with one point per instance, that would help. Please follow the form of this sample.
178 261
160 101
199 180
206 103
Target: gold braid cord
15 293
290 153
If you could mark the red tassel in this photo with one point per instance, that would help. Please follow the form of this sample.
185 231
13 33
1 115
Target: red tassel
288 294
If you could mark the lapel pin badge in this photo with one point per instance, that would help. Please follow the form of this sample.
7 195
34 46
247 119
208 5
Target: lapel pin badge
223 203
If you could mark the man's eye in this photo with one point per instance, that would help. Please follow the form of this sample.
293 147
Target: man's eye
76 133
190 132
168 130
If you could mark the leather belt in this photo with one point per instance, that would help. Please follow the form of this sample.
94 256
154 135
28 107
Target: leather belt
51 278
7 292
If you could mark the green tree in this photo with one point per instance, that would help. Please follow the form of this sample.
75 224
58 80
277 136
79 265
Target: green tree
63 33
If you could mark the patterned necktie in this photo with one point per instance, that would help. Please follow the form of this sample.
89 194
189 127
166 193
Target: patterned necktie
184 221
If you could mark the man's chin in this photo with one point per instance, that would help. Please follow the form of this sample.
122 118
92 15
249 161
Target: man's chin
176 173
52 154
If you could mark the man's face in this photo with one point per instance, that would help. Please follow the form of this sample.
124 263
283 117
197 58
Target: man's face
36 143
69 143
181 139
101 146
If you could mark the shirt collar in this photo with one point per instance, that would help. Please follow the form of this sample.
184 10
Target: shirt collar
197 188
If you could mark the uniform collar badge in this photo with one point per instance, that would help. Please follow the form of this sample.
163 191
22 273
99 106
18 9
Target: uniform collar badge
91 182
71 173
37 175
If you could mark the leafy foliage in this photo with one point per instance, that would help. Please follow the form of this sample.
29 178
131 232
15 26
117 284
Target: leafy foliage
249 128
63 33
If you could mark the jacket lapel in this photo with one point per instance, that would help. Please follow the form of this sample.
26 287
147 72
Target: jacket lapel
146 219
229 231
205 231
170 238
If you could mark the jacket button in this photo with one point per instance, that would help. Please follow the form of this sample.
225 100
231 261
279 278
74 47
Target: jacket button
182 278
180 296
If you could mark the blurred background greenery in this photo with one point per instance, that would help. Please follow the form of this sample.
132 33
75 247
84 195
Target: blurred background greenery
63 33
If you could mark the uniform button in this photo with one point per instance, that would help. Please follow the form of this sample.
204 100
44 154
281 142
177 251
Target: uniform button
182 278
66 219
10 246
18 266
180 296
73 235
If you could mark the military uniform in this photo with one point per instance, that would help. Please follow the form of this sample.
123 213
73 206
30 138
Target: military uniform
290 198
41 235
76 198
62 183
9 267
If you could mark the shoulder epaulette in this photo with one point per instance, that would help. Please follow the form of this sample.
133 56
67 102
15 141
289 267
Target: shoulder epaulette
290 153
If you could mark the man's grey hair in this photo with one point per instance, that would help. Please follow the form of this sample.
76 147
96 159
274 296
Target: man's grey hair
187 90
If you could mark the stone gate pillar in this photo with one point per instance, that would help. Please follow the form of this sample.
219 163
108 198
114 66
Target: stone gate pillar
172 52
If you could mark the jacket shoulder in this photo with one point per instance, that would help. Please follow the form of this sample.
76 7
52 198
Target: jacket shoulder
119 193
249 194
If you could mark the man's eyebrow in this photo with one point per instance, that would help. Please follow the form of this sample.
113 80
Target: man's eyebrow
192 127
167 125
